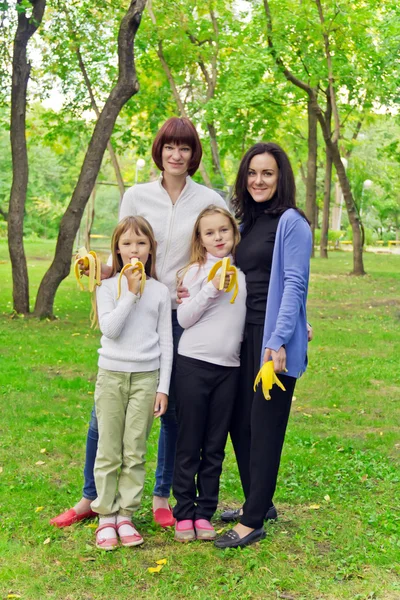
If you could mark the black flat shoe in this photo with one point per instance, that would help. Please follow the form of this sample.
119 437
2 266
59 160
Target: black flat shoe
231 539
234 515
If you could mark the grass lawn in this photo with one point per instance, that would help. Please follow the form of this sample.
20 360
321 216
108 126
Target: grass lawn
338 532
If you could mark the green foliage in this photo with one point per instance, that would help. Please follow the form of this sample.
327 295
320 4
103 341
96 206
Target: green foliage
333 236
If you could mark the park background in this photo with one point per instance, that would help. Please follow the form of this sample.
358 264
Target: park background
321 79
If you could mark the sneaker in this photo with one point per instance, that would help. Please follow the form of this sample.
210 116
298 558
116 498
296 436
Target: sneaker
184 531
204 530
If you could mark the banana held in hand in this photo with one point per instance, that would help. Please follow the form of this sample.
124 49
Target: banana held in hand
136 264
87 261
226 269
267 377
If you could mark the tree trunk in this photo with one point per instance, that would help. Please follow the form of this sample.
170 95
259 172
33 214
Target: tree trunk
126 86
327 204
311 189
214 151
113 156
358 263
20 76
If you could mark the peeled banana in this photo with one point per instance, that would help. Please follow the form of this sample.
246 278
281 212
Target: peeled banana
226 269
137 265
267 377
87 261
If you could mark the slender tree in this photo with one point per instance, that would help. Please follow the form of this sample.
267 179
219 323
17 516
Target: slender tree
126 86
29 19
331 141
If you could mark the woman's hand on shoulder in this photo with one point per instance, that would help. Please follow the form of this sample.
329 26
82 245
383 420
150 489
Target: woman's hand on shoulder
106 271
160 404
278 358
181 292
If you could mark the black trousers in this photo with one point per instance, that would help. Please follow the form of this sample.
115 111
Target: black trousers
257 430
205 396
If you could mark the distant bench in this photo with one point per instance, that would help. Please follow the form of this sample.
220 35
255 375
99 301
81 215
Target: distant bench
394 243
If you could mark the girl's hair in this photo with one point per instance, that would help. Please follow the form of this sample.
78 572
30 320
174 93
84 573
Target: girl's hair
198 254
178 130
141 227
285 196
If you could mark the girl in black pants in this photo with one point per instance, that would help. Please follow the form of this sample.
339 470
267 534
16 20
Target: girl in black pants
207 374
274 254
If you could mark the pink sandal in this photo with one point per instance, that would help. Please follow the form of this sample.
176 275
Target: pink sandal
129 540
106 543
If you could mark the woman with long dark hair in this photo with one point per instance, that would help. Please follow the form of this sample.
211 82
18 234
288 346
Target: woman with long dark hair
274 253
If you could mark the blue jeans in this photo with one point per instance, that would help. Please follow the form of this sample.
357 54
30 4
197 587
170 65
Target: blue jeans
166 441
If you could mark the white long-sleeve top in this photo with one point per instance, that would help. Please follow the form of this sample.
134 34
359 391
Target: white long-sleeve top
172 223
213 326
137 331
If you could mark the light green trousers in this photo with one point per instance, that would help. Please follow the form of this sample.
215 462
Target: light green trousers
124 408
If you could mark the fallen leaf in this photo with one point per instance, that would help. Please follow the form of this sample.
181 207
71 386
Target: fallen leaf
90 393
43 451
162 561
39 463
364 477
13 596
47 541
307 414
155 569
87 558
327 498
220 531
91 526
74 334
1 470
314 506
39 508
294 398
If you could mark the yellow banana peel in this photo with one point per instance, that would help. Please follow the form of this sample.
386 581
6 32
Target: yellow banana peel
226 269
87 261
136 264
267 377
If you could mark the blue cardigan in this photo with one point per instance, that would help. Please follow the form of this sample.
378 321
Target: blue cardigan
285 318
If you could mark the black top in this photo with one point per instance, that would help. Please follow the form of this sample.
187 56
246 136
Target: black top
254 258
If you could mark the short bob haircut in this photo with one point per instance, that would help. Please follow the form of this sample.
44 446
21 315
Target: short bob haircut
178 130
285 196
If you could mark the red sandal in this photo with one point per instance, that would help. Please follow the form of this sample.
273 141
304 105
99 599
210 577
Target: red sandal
106 543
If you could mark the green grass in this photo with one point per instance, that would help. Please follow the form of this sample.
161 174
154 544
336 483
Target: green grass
338 532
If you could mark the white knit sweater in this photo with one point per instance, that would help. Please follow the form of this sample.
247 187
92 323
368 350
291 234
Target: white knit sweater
172 223
137 332
213 326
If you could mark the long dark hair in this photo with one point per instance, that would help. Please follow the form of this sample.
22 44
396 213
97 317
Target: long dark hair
285 196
